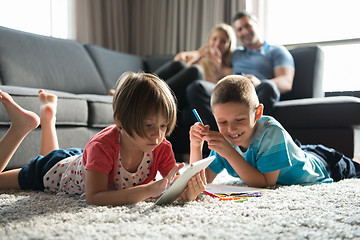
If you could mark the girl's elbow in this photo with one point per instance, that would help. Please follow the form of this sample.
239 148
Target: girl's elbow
92 200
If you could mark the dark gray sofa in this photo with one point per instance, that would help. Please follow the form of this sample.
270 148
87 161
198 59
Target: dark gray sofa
81 75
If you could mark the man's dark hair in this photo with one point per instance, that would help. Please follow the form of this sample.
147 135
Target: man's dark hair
244 14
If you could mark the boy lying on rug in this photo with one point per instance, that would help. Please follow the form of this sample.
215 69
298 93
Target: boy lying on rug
144 113
257 148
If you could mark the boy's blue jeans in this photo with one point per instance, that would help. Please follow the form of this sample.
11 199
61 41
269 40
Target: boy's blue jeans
337 165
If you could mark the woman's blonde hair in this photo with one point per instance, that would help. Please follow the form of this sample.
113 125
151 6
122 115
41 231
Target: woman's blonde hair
139 95
232 39
229 31
235 88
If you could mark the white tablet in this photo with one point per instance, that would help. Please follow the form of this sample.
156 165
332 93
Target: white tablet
174 191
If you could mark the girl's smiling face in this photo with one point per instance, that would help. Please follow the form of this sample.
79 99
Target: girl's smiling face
236 122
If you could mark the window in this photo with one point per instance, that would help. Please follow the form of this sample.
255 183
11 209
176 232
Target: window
341 68
328 23
44 17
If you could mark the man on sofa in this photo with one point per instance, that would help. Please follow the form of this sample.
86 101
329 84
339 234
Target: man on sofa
269 67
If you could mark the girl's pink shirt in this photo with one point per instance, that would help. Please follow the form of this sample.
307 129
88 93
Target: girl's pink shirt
101 154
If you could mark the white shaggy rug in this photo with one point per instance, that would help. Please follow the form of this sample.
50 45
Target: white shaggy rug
324 211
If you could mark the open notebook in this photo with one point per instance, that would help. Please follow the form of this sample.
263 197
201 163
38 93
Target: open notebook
232 190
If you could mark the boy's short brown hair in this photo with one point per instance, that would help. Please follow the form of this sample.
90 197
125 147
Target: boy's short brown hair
235 88
139 95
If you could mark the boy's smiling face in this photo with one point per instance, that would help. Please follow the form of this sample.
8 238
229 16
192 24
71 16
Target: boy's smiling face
236 122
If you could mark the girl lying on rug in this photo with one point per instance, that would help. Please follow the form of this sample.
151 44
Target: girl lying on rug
125 156
257 148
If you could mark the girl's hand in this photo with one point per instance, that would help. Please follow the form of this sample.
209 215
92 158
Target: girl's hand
157 188
193 59
197 55
215 57
204 51
197 132
171 176
181 56
189 57
217 142
195 186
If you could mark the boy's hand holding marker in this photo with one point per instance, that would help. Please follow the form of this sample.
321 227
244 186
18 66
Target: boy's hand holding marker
216 141
198 131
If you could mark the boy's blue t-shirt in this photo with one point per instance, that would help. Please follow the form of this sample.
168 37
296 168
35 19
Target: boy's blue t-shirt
271 149
261 63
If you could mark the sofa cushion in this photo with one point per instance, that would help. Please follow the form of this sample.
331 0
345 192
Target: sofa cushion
71 109
100 110
31 60
111 64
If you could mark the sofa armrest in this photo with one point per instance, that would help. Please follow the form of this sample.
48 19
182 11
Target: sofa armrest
326 112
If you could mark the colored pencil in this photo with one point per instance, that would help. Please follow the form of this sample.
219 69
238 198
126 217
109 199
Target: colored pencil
211 194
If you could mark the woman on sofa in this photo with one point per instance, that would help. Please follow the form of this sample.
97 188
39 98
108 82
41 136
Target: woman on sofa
210 62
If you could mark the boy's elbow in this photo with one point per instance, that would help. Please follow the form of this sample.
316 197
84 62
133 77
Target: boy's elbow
210 175
261 185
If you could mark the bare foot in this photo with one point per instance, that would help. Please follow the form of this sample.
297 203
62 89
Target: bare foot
111 92
48 104
21 119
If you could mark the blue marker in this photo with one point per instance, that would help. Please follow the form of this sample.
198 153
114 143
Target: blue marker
197 116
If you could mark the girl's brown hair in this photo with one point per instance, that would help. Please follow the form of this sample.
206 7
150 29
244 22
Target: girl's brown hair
139 95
